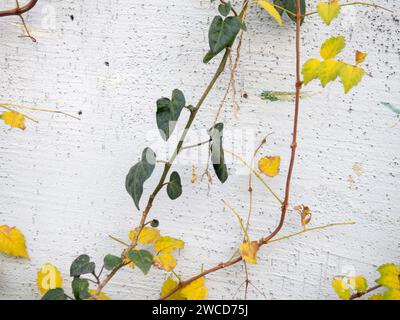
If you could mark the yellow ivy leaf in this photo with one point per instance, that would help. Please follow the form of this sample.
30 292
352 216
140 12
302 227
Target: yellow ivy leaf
392 294
195 290
165 261
329 70
360 284
101 295
168 286
14 119
376 297
270 166
147 235
332 47
341 288
12 242
248 251
360 57
310 70
271 10
389 276
328 11
168 244
351 76
48 277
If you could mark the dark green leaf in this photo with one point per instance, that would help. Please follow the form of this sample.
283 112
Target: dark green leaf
110 261
80 288
291 6
168 112
222 34
142 258
225 8
217 152
55 294
138 174
174 187
82 265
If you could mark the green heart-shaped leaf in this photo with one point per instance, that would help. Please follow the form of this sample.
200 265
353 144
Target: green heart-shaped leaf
55 294
82 265
168 112
111 261
217 152
80 288
142 258
139 173
174 187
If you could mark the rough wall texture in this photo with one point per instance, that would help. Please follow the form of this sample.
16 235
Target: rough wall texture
62 181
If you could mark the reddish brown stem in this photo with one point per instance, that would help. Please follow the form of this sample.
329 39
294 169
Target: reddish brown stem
293 146
19 10
359 295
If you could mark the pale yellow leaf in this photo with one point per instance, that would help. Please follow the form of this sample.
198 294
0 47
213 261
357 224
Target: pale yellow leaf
248 251
165 261
351 76
12 242
377 296
14 119
389 276
168 244
341 288
392 294
360 284
310 70
329 70
270 165
168 286
195 290
100 296
328 11
146 236
48 277
269 7
332 47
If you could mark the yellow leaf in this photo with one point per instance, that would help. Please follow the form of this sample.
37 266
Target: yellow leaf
165 261
147 235
248 251
329 70
12 242
392 294
48 277
168 286
389 276
376 297
195 290
100 296
271 10
342 289
351 76
360 57
360 284
328 11
310 70
332 47
168 244
14 119
270 166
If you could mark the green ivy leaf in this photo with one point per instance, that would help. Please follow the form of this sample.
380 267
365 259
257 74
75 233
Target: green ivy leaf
168 112
217 152
174 187
111 261
225 8
80 288
55 294
142 258
222 34
291 5
138 175
82 265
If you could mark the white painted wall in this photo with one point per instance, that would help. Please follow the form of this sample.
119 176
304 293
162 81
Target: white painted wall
62 181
